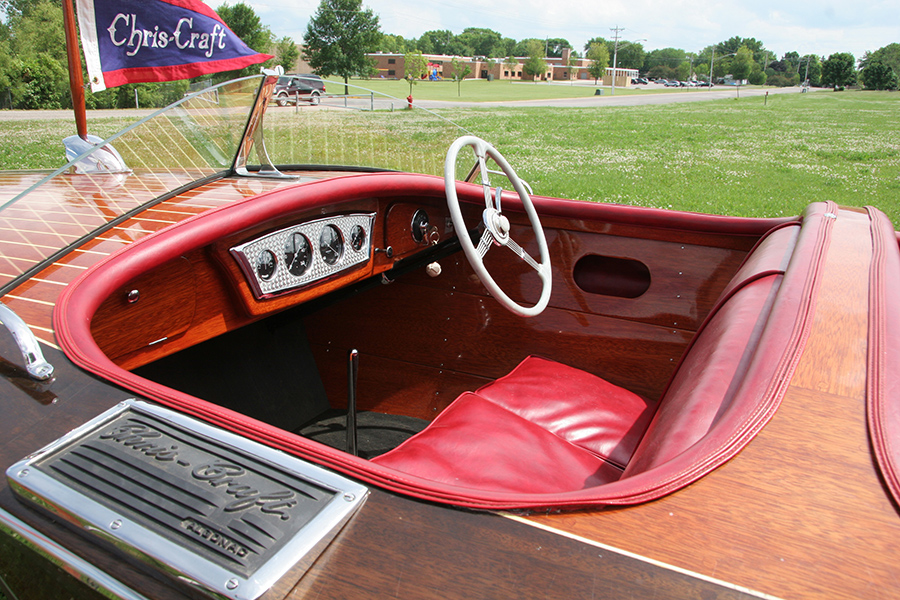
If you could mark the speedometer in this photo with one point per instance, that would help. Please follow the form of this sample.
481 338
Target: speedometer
297 254
331 244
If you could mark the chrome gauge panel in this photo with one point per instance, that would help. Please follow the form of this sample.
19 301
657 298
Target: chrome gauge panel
305 253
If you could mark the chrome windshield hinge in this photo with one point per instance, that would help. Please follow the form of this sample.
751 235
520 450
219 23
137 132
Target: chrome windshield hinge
35 364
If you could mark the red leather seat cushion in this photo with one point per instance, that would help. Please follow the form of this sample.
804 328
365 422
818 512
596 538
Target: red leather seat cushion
477 444
579 407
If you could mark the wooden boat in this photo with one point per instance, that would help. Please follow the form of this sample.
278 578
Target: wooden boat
303 381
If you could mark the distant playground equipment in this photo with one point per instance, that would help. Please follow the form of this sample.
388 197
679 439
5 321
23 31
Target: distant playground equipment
433 72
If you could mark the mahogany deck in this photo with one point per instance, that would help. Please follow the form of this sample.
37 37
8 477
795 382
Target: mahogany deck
70 207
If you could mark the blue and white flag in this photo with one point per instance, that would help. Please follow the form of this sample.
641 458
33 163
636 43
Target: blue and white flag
134 41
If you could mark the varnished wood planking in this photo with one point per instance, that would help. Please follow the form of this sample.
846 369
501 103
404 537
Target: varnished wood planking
404 549
73 212
473 334
840 328
800 512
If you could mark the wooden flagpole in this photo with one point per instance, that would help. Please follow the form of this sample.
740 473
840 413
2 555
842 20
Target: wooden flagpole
76 79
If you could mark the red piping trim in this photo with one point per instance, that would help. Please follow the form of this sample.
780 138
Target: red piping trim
881 383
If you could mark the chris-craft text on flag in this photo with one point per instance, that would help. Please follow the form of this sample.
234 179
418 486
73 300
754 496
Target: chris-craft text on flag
133 41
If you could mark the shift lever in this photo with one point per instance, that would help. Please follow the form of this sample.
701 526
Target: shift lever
352 370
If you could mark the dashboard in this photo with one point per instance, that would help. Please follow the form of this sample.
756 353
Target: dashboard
305 253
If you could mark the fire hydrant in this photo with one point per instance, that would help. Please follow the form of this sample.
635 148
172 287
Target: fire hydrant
409 101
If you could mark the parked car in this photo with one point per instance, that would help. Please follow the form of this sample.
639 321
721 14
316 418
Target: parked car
673 83
294 88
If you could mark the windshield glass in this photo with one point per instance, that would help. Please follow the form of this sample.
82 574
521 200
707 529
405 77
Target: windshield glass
198 137
194 138
359 129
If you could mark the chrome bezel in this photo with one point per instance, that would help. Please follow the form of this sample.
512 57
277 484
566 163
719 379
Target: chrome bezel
96 519
283 280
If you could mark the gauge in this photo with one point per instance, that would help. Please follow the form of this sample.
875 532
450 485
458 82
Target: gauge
357 237
331 244
265 265
419 225
297 254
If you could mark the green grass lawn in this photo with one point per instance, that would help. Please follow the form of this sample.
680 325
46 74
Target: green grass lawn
739 157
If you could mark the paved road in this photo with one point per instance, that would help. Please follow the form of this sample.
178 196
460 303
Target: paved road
588 102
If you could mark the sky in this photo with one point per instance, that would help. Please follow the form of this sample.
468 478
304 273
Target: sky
820 27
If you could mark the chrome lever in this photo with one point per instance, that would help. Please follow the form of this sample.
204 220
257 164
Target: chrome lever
35 364
352 375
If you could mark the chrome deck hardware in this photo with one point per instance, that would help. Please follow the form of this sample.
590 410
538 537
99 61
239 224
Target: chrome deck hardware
35 364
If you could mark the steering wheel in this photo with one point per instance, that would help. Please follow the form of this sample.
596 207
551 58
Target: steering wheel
496 225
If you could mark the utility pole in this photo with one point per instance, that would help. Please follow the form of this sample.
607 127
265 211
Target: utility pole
711 62
615 31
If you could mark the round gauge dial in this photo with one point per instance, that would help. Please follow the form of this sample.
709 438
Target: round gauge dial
357 237
265 265
331 244
297 254
419 225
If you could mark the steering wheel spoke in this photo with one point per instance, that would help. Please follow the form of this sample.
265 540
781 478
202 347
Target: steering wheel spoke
496 223
520 252
485 243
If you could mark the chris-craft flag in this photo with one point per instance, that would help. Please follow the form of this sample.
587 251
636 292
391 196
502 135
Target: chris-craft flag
133 41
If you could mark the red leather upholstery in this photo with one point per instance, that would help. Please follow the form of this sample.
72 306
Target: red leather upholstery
478 444
545 427
578 407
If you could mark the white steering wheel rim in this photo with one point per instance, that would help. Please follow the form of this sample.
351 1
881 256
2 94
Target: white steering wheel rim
483 150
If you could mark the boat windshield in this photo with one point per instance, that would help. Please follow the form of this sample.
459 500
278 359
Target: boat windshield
198 138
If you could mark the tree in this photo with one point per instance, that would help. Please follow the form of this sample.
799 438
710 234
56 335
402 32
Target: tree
630 55
838 71
441 42
286 53
481 42
535 66
460 72
522 46
245 24
599 57
669 57
572 64
339 36
555 46
395 44
742 65
878 76
889 55
415 67
757 75
811 68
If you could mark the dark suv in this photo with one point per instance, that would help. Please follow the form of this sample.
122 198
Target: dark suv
291 88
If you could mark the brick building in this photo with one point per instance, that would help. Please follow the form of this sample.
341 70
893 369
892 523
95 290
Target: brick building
391 66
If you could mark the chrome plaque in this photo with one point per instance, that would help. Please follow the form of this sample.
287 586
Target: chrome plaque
208 507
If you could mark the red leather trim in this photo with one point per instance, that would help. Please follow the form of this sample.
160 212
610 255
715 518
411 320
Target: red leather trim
484 462
581 408
883 383
782 341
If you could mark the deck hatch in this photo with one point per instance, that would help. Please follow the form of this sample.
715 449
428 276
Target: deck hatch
227 514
